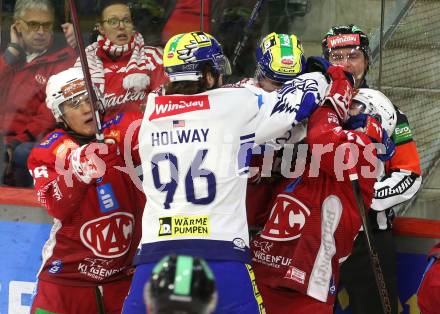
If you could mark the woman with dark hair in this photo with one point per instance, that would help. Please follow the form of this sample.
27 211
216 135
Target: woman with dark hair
123 69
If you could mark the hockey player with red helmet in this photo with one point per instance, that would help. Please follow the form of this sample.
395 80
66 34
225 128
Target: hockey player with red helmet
96 206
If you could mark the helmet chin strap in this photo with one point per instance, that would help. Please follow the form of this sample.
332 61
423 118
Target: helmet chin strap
82 139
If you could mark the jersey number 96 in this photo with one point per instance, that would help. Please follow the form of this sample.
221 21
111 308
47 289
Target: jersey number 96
194 171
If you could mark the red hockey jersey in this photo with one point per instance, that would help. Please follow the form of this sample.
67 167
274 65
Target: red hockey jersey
97 226
314 218
429 290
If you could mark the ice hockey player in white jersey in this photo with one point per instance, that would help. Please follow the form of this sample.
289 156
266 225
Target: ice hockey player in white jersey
195 143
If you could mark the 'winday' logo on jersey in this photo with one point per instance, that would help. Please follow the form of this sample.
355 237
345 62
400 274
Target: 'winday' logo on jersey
171 105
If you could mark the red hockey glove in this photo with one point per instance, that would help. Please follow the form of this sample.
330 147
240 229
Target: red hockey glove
340 90
91 161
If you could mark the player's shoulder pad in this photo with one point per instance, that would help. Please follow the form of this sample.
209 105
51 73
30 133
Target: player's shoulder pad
254 89
129 122
248 95
241 83
317 76
50 139
115 120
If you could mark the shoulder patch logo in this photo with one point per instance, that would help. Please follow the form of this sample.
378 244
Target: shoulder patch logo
166 106
113 121
402 133
50 140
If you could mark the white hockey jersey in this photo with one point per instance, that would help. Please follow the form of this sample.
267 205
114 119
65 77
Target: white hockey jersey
195 152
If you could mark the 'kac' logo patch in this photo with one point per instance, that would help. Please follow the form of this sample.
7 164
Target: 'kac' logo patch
166 106
286 220
109 236
184 226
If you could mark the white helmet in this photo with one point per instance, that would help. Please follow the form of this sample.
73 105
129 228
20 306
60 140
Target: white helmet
62 87
374 103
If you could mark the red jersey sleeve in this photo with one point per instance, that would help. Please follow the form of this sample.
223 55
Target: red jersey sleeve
58 190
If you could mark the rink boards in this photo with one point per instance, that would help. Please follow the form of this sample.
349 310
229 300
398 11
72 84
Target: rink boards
24 227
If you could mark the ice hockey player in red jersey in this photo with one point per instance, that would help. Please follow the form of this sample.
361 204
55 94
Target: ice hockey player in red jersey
313 219
87 260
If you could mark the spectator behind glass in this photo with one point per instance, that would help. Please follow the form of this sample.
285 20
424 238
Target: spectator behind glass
30 58
122 67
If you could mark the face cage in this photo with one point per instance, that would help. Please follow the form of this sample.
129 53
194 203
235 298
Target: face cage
223 65
77 102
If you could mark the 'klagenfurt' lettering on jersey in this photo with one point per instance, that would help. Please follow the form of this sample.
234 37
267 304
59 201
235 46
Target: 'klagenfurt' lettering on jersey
171 105
98 269
180 136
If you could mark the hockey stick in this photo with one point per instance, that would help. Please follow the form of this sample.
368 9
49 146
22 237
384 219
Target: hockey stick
374 258
86 72
201 15
66 11
247 29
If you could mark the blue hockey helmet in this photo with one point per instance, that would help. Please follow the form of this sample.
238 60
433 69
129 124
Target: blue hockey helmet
186 55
